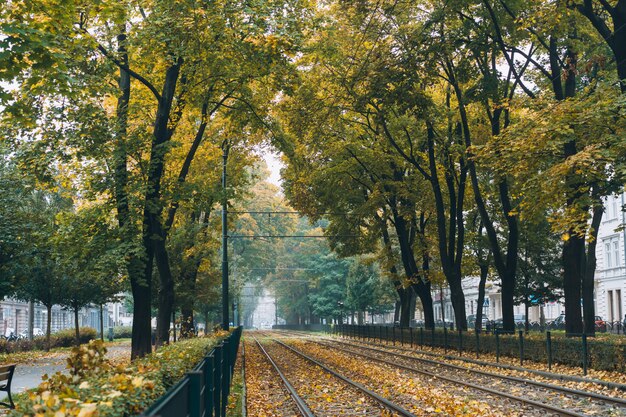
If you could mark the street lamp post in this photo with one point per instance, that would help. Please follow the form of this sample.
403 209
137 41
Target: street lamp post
225 320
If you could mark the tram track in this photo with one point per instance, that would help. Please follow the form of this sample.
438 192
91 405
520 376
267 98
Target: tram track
561 390
316 394
577 403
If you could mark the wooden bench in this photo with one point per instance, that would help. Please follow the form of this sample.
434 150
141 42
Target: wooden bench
6 376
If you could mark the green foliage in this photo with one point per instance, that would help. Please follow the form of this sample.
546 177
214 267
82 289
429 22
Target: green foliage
122 332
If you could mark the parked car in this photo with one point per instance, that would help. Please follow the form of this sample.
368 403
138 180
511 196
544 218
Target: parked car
471 321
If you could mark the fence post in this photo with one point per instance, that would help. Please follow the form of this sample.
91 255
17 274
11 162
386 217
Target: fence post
497 346
445 339
460 342
387 335
521 348
195 393
477 343
432 338
549 349
209 384
217 381
585 354
393 334
225 376
421 337
411 331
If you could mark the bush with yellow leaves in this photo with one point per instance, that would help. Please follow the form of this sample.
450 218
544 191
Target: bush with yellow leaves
96 388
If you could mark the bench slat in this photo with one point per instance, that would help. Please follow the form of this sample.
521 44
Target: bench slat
6 371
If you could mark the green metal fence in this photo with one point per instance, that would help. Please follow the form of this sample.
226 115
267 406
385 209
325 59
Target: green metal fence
204 391
577 350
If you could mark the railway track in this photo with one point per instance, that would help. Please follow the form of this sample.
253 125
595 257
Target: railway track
620 402
326 393
578 403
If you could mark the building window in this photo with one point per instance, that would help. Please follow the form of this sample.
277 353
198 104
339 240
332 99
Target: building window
612 254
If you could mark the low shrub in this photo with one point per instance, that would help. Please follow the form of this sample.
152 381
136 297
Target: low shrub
122 332
94 387
63 338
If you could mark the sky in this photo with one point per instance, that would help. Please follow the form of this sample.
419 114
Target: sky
274 164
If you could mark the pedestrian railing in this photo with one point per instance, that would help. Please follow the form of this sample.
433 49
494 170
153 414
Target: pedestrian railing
204 391
574 350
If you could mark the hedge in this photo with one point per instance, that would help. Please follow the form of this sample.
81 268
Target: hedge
122 332
63 338
96 388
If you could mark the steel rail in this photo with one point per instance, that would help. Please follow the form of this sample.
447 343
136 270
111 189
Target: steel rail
545 385
300 404
549 375
385 402
533 403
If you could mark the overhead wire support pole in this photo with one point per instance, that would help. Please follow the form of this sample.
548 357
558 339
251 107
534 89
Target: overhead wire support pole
288 236
225 319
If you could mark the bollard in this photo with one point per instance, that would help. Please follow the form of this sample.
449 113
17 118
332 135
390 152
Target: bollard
421 337
387 335
195 393
585 354
460 342
411 331
521 348
393 334
497 346
549 349
445 340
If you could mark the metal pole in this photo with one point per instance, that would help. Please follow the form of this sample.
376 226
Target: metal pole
225 319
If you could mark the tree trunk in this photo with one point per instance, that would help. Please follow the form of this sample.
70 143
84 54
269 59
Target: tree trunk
166 293
484 272
154 234
141 343
426 298
573 256
76 326
589 313
49 326
187 325
403 306
139 279
450 253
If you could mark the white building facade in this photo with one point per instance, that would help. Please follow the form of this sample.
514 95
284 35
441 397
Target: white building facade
610 277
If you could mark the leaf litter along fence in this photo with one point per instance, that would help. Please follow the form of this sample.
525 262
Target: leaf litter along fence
576 350
204 391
